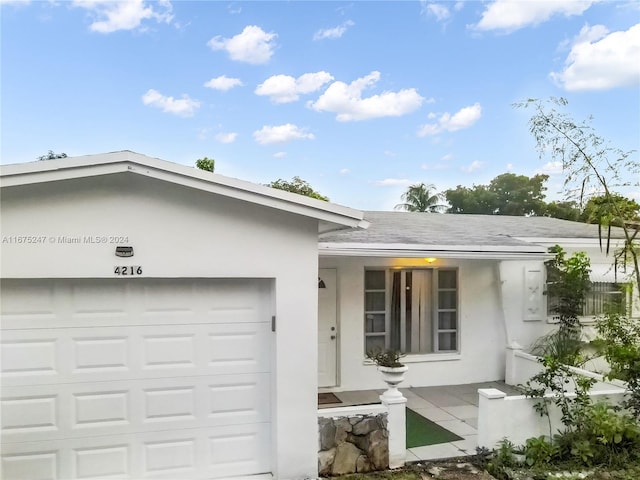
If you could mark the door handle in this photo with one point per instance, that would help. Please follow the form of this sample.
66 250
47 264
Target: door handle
333 337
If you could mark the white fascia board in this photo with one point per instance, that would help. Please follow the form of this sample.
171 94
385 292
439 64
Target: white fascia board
440 251
331 216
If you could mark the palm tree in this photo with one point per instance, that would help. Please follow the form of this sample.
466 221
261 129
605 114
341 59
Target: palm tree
421 197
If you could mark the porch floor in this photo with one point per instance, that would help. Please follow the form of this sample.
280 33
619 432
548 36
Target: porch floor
454 407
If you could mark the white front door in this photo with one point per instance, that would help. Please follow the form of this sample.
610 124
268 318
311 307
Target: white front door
327 327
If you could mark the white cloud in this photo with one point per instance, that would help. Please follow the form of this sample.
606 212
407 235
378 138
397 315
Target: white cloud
253 45
464 118
332 33
512 15
438 10
344 171
509 167
393 182
474 166
226 137
390 153
347 102
285 89
551 168
280 154
223 83
600 60
110 16
183 107
447 157
280 134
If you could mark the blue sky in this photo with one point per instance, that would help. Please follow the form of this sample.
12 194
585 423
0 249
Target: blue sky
360 99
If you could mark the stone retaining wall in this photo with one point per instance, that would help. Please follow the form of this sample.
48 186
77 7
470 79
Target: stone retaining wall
358 443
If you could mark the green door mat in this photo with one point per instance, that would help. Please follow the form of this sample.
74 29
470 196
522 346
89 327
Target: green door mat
422 431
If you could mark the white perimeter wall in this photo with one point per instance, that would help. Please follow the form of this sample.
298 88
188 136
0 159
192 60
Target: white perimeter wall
179 232
482 335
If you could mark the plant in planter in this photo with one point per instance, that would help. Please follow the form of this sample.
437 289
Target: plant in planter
389 365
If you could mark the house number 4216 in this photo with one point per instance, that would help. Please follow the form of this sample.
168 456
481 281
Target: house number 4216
128 271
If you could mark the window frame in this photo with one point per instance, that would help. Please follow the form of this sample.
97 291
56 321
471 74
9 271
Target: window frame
624 289
435 309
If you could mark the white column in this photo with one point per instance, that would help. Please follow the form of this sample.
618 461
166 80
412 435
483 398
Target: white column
491 417
396 425
511 373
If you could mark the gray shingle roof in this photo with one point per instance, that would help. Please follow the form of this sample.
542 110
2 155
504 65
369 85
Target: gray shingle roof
455 230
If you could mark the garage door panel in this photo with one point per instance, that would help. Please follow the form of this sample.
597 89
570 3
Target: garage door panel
48 412
195 454
105 302
71 355
35 465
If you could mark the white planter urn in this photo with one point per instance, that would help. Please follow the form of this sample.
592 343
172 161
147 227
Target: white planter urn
392 376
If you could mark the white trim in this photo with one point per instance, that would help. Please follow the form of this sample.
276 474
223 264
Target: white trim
329 214
474 252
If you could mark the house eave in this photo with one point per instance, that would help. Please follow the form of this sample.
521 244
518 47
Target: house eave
471 252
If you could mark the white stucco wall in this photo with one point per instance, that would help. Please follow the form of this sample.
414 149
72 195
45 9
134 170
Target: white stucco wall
482 335
180 232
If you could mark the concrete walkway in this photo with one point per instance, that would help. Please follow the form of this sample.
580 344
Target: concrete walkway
454 407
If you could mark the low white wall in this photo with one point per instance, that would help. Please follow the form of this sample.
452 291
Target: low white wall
516 419
521 366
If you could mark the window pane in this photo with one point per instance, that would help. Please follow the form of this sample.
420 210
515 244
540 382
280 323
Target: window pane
604 297
374 279
374 301
447 341
446 300
375 322
374 343
447 320
447 279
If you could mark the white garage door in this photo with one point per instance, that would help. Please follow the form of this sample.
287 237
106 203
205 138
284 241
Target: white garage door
136 379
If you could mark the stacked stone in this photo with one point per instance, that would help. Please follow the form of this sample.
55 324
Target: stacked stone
353 444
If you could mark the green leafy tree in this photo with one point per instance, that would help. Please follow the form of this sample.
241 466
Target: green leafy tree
475 200
207 164
565 210
610 212
299 186
51 155
421 197
506 194
590 164
518 194
601 209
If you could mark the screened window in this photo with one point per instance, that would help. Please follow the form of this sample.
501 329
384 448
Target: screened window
411 310
601 297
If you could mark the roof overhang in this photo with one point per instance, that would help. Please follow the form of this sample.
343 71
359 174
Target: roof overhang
471 252
572 242
330 216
